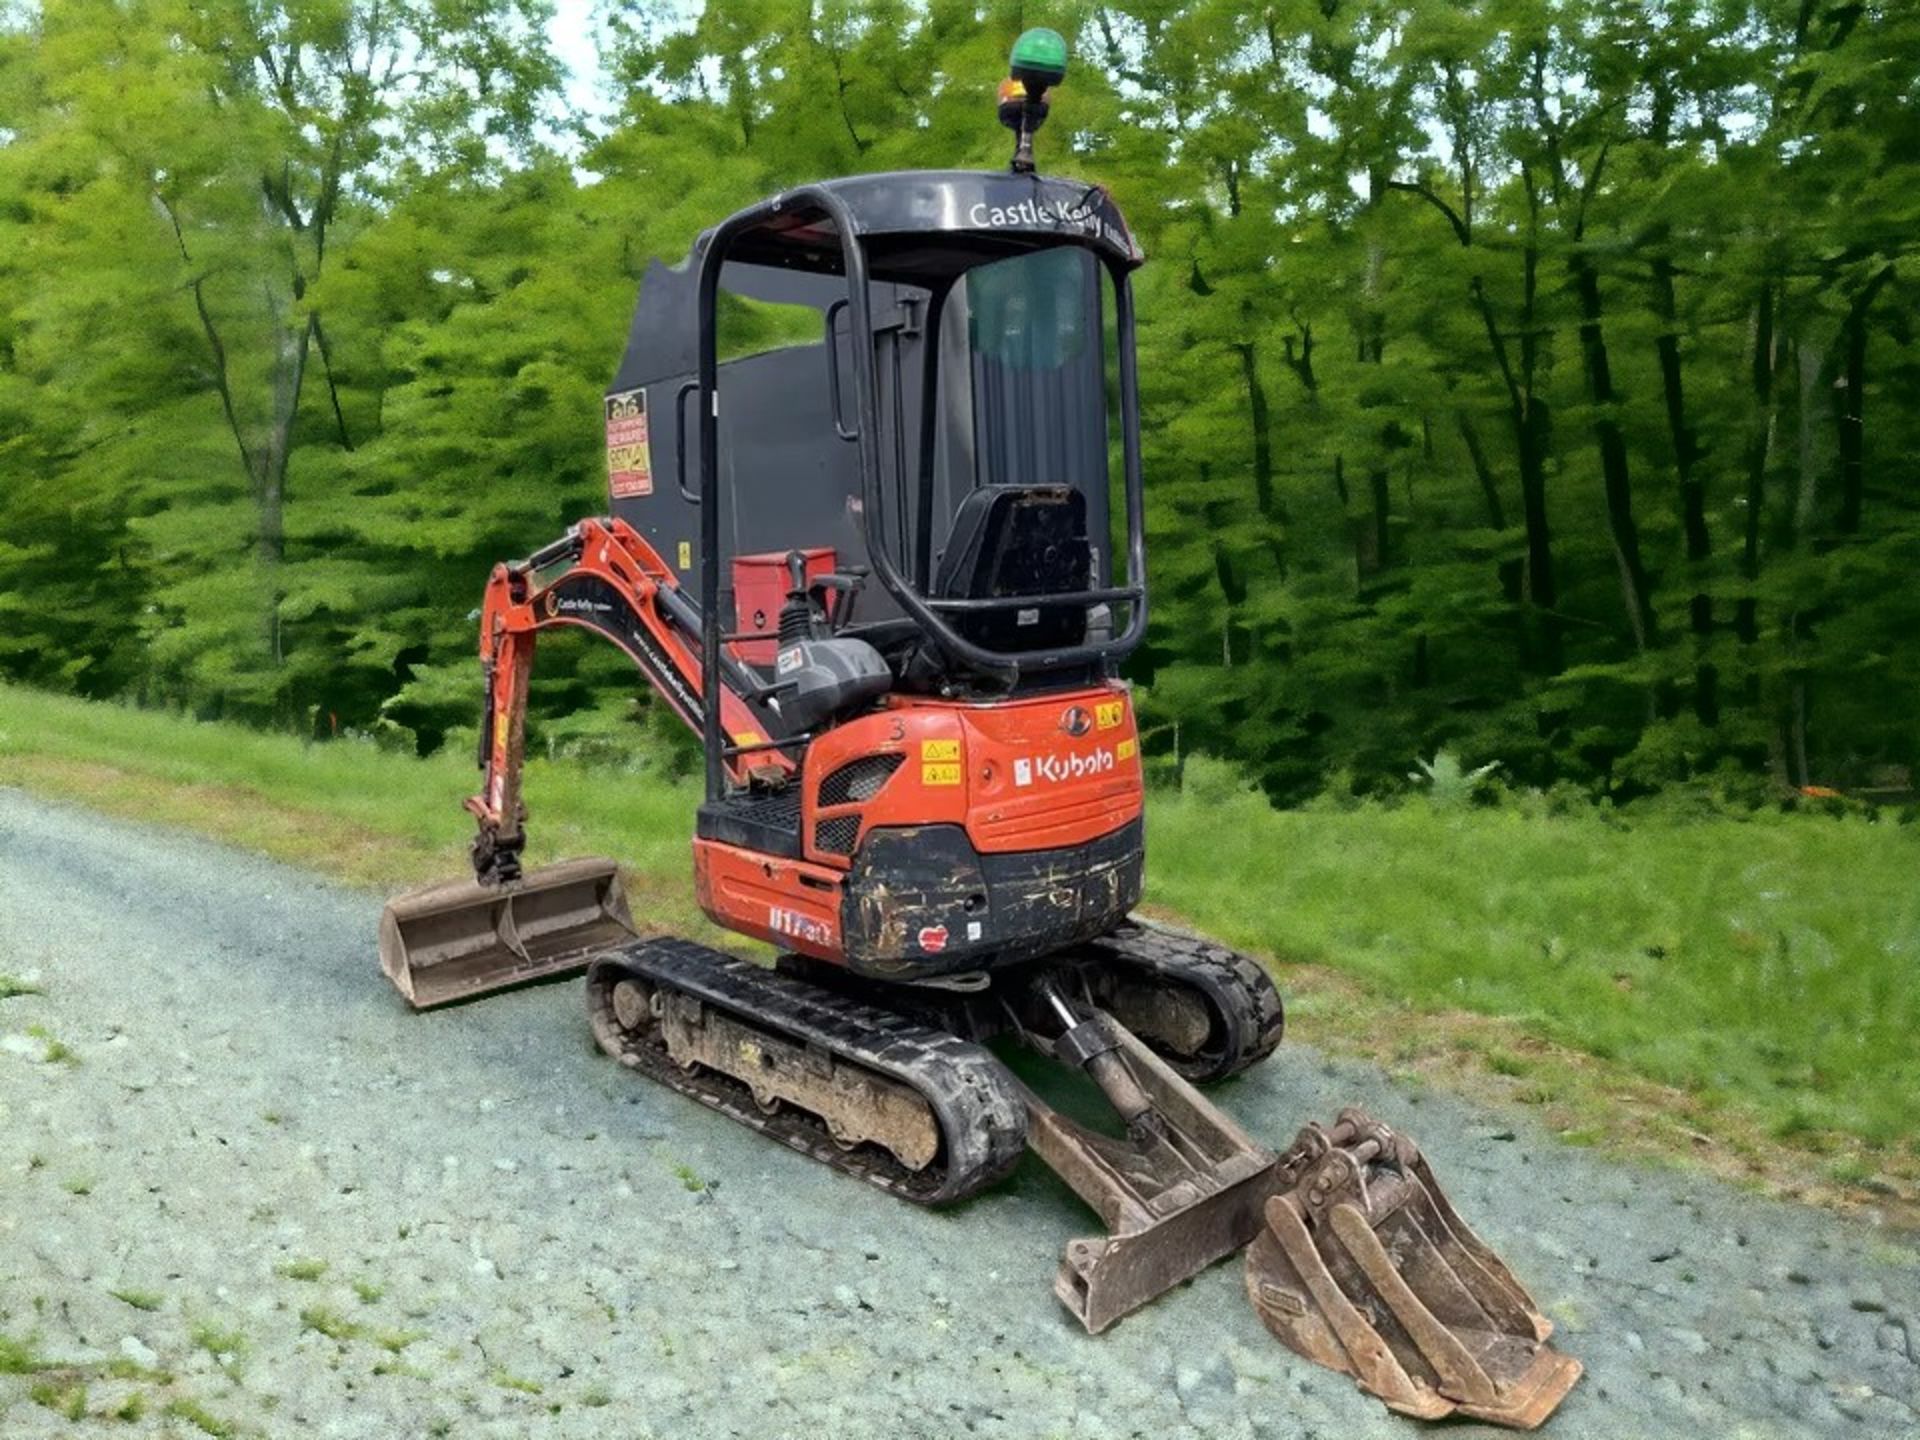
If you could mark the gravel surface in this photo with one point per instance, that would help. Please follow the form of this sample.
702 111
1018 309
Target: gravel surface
326 1216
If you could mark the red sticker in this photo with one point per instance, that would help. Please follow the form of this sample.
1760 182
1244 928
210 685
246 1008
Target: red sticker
933 939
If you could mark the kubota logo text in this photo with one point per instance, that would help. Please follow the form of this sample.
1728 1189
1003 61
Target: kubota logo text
1052 769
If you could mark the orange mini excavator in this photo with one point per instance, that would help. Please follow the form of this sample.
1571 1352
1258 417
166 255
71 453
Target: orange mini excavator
891 594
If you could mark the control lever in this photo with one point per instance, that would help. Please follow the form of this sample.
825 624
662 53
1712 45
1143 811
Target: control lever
844 587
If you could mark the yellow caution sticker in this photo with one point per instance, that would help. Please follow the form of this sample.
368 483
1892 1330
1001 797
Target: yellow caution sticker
1109 713
940 772
939 749
686 554
745 737
1124 750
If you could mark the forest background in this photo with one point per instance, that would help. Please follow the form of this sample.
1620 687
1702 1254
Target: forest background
1530 380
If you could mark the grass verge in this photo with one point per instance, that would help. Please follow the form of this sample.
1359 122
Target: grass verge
1737 991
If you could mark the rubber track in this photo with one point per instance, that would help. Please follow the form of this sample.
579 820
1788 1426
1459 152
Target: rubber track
974 1098
1237 988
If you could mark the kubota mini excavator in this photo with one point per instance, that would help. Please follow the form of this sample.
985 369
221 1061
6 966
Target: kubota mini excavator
884 595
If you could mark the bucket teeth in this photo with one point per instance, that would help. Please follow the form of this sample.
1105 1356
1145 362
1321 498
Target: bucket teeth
1364 1266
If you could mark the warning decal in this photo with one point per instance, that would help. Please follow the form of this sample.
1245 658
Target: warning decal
939 762
629 454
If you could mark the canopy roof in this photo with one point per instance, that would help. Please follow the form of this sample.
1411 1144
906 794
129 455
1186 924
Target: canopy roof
926 225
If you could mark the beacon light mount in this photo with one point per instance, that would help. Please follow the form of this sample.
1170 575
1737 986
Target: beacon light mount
1038 63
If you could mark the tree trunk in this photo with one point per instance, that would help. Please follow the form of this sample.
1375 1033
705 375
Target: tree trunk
1259 422
1482 471
1380 522
1853 451
1759 448
1811 358
1532 435
1533 428
1693 492
270 484
1634 590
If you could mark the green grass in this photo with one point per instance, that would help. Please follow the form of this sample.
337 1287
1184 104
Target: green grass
139 1299
369 815
217 1341
55 1051
1764 961
18 1357
13 985
307 1270
1758 969
198 1416
329 1323
689 1178
67 1398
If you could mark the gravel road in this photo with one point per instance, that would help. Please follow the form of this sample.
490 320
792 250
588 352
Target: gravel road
326 1216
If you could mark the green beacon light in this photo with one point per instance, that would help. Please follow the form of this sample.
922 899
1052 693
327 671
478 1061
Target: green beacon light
1038 63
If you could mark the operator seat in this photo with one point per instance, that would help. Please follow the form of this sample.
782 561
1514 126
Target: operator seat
1018 540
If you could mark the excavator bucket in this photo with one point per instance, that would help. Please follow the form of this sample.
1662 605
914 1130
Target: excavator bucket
455 941
1364 1266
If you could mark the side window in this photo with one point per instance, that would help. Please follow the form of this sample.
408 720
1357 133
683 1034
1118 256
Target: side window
746 326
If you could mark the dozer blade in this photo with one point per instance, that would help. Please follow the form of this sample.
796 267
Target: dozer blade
1181 1191
1364 1266
455 941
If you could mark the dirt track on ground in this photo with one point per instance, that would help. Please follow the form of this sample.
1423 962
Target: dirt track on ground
350 1221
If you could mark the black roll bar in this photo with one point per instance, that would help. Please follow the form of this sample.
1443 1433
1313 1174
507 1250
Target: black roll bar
926 613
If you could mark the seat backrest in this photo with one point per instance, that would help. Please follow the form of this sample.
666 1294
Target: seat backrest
1018 540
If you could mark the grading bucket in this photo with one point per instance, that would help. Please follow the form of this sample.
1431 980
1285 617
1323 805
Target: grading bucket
456 941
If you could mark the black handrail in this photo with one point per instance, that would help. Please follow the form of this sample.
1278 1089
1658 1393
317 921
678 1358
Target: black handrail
833 372
1132 593
680 439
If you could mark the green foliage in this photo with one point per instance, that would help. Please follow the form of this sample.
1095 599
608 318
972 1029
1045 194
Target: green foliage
329 1323
1448 783
1524 382
67 1398
1757 957
19 1357
1759 960
201 1418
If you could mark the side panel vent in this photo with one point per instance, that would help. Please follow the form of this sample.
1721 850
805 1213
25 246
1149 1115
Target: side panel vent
859 779
836 836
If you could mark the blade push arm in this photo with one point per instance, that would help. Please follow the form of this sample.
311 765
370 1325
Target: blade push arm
604 577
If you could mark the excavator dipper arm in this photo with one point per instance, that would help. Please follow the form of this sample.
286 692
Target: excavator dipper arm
604 577
508 926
